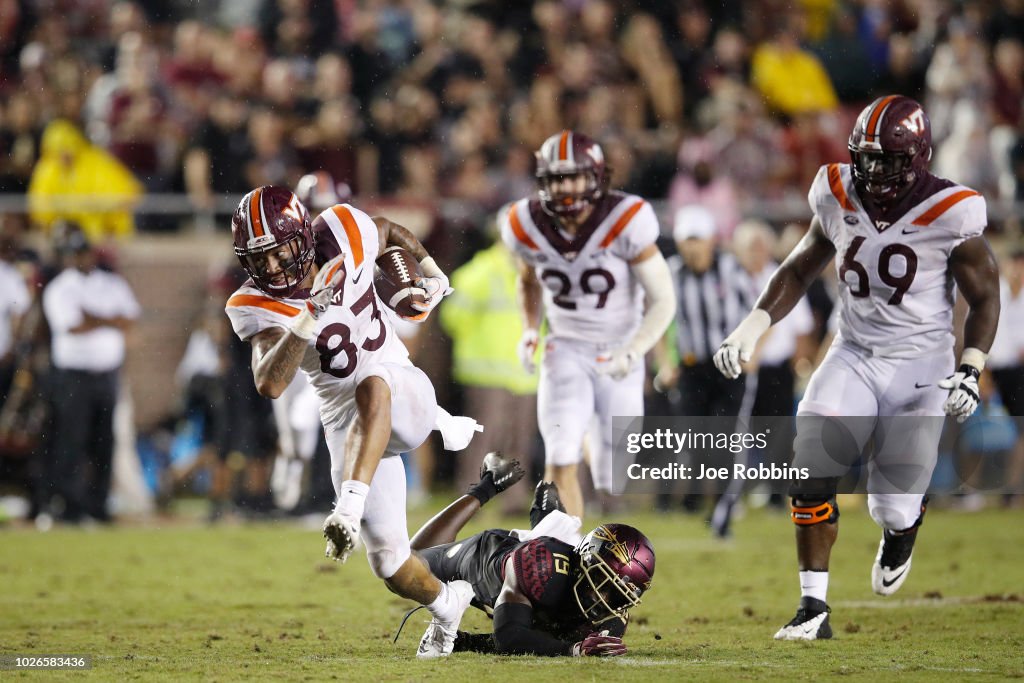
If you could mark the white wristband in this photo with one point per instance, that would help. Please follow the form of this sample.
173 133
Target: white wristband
974 357
304 325
430 268
352 498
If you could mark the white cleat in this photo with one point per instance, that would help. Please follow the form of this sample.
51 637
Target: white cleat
892 564
810 622
342 536
439 638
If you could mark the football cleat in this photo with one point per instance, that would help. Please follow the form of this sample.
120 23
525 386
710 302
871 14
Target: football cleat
439 638
504 472
892 563
810 622
545 500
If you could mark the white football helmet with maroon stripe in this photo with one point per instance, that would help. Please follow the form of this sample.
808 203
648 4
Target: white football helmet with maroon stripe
570 154
271 221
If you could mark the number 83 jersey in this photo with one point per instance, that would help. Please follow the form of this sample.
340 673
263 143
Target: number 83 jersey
589 291
895 285
354 335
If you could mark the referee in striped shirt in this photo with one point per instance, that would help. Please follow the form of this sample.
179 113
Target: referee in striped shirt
713 295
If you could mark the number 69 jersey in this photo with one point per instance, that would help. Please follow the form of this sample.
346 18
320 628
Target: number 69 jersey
589 291
354 334
895 285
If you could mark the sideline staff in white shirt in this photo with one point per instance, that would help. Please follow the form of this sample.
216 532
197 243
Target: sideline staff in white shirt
88 310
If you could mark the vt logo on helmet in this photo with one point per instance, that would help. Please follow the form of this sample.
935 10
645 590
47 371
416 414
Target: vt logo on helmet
273 238
616 568
571 173
890 147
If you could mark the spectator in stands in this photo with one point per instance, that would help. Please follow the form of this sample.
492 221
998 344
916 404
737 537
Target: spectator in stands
697 183
89 310
221 142
76 181
790 79
958 71
20 134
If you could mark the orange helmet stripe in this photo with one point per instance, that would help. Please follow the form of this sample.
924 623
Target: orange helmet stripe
255 213
873 124
929 216
563 146
835 183
355 238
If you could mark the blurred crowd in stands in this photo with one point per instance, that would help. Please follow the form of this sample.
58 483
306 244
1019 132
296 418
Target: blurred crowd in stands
731 106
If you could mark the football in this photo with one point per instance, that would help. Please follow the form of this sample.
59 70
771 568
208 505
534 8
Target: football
395 272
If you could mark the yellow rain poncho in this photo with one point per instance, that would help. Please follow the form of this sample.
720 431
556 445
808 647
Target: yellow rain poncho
75 180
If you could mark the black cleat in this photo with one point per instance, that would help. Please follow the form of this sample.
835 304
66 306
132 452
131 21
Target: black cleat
892 563
545 500
810 622
504 472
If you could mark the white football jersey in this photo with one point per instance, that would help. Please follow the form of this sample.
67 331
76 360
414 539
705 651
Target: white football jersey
589 290
354 333
896 289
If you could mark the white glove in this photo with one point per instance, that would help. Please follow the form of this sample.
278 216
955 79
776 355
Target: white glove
433 285
342 534
527 349
331 276
341 528
739 346
618 364
963 392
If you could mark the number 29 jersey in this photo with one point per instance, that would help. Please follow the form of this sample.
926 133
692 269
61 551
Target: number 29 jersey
895 286
589 292
353 335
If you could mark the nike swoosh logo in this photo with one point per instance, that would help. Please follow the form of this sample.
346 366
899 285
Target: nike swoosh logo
355 280
921 386
887 582
909 232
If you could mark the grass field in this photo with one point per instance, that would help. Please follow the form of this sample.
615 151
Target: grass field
185 602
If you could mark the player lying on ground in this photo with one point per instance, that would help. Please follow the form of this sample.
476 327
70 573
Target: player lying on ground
546 596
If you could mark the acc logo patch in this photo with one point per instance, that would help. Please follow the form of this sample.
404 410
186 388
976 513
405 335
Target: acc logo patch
851 220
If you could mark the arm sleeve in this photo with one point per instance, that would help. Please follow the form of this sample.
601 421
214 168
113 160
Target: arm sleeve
655 278
63 310
514 634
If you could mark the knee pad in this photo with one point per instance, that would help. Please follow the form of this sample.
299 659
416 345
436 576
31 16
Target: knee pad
896 518
808 511
385 563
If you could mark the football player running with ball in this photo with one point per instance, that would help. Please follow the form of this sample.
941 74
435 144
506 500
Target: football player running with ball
901 238
589 255
551 592
310 304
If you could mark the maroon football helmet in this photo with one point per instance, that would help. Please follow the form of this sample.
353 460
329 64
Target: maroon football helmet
271 222
616 568
890 147
570 154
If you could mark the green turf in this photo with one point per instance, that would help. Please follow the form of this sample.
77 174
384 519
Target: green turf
258 602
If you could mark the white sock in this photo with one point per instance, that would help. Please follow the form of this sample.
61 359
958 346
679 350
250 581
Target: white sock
814 585
444 607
